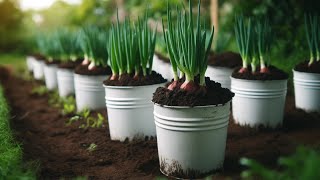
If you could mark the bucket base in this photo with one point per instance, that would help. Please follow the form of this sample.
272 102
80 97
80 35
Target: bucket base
179 173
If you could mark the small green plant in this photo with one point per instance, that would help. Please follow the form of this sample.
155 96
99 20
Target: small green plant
188 49
312 28
87 120
69 105
39 90
303 164
92 147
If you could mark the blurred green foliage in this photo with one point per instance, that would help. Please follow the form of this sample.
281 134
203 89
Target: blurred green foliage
10 25
302 165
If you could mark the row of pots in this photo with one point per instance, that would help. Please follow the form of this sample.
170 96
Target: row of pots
179 129
131 115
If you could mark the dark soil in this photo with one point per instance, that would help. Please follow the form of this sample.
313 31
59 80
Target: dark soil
215 95
39 57
304 67
54 62
70 64
274 74
62 150
130 80
227 59
83 70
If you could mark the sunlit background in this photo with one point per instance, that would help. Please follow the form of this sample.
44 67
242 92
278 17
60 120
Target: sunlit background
41 4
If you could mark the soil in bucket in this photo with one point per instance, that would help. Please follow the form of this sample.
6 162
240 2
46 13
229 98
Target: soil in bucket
274 74
226 59
53 62
140 80
62 150
69 64
39 57
215 95
96 71
304 67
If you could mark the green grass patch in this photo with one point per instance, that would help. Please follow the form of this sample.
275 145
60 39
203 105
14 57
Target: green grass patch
11 166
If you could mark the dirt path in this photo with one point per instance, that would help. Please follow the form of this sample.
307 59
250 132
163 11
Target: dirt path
63 150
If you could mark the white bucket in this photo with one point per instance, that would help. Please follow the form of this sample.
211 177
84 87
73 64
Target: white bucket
220 75
156 63
166 70
191 140
307 91
130 111
258 102
65 82
38 67
89 91
50 76
30 60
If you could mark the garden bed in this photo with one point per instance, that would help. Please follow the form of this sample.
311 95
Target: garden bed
63 151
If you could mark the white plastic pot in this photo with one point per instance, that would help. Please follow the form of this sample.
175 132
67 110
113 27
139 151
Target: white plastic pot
65 82
307 91
258 102
30 60
130 111
38 67
220 75
156 63
89 91
50 76
191 140
165 70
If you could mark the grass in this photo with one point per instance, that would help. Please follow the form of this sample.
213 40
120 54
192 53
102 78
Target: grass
15 61
11 166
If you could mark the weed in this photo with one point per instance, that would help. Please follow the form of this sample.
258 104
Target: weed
40 90
92 147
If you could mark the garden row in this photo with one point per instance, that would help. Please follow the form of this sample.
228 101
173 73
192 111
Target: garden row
190 115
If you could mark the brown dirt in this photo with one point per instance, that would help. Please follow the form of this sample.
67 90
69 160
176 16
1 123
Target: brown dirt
226 59
62 150
69 64
214 95
39 57
304 67
129 80
274 74
83 70
52 62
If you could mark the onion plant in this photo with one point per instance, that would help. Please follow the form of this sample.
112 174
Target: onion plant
312 24
146 44
264 40
254 39
93 42
243 32
49 47
131 48
188 48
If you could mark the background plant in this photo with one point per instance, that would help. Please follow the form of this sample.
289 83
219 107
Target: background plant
93 42
312 28
146 44
254 39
